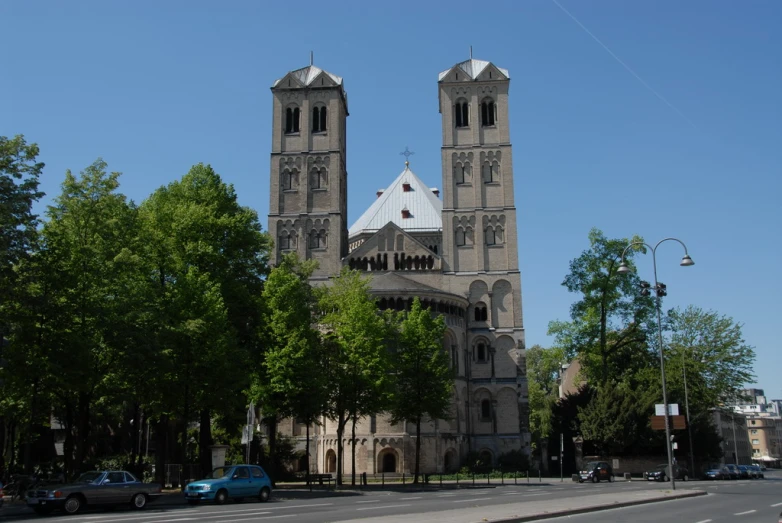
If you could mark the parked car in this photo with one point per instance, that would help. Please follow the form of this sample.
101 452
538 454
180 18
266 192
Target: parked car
716 473
758 471
235 482
662 473
744 472
733 471
108 487
595 471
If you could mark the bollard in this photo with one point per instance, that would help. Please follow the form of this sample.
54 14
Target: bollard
403 478
539 478
528 476
488 478
457 479
514 477
473 478
502 478
383 478
441 479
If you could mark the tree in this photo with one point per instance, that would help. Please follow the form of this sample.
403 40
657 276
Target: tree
423 378
543 372
611 322
355 336
293 383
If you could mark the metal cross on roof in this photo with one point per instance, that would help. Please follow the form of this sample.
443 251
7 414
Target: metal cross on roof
407 153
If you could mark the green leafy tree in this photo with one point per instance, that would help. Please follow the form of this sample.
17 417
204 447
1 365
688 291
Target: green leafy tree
423 378
293 383
355 347
543 372
202 245
610 324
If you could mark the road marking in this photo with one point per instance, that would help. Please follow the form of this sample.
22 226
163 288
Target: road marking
776 504
536 494
470 500
384 506
161 515
510 493
254 519
408 499
444 495
369 501
744 513
704 521
178 519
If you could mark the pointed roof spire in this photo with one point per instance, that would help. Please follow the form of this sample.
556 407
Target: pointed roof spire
312 57
470 52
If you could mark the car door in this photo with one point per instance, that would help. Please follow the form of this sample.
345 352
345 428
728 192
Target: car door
257 479
240 483
116 490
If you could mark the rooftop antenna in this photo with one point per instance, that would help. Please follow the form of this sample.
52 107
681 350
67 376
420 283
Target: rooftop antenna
311 57
470 52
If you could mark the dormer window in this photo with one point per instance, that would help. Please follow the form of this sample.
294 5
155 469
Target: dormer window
406 187
292 115
405 213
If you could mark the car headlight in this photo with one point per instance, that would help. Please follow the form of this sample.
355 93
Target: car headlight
207 487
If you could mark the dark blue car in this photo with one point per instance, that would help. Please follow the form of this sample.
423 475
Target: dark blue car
231 481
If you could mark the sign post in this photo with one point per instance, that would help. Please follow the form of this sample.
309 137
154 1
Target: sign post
561 456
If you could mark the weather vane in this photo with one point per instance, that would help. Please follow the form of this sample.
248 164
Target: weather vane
407 153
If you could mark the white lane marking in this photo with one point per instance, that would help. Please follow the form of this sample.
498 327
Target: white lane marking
745 512
369 501
248 519
510 493
470 500
408 499
536 494
704 521
384 506
256 519
214 512
178 519
444 495
776 504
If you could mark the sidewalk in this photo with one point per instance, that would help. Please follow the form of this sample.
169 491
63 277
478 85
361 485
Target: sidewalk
536 510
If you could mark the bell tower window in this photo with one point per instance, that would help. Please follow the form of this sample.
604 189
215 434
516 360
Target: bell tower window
319 119
462 113
292 120
488 112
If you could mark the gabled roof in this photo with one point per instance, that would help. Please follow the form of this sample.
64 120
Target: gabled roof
306 75
473 68
425 209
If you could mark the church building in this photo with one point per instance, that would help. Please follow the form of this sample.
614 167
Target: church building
455 249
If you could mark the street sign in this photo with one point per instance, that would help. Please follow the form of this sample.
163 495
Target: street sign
678 422
673 409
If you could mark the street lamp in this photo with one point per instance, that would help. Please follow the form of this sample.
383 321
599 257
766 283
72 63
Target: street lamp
687 411
660 291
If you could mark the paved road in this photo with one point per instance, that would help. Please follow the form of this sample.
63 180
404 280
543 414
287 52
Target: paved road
495 503
734 501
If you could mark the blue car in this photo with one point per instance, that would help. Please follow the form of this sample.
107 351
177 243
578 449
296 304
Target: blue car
231 481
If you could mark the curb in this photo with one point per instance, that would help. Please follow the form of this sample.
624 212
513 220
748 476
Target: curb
597 508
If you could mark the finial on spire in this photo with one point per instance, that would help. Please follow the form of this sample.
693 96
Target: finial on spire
312 57
470 52
407 153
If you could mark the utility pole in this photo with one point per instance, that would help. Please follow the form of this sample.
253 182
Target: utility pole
561 455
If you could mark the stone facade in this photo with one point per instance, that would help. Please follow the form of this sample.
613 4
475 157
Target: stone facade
458 255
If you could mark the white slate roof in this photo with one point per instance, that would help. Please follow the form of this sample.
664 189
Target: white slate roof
425 208
472 68
306 75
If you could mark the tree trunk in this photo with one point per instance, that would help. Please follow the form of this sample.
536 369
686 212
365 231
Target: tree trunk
273 448
161 449
67 446
82 429
204 442
340 431
135 441
417 447
353 453
307 456
28 441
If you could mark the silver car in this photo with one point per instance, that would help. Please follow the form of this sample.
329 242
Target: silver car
108 487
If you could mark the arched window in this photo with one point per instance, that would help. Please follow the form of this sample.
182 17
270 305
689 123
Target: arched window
488 112
481 314
318 239
481 352
289 179
319 119
485 410
287 241
292 120
460 237
491 172
458 173
319 178
462 113
491 239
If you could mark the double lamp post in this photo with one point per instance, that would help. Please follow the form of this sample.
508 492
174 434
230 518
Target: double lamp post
660 291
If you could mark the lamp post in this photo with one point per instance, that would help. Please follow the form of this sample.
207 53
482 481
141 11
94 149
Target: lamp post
660 291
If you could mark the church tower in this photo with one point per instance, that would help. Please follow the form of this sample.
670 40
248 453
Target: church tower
308 189
480 251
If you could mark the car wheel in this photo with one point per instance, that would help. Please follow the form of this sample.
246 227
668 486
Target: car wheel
665 478
138 501
685 477
580 480
221 497
193 502
595 479
73 504
264 494
611 478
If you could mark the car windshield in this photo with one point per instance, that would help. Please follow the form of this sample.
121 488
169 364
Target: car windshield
662 467
89 477
220 472
592 464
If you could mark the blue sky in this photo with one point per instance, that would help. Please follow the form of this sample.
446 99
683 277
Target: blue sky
688 144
